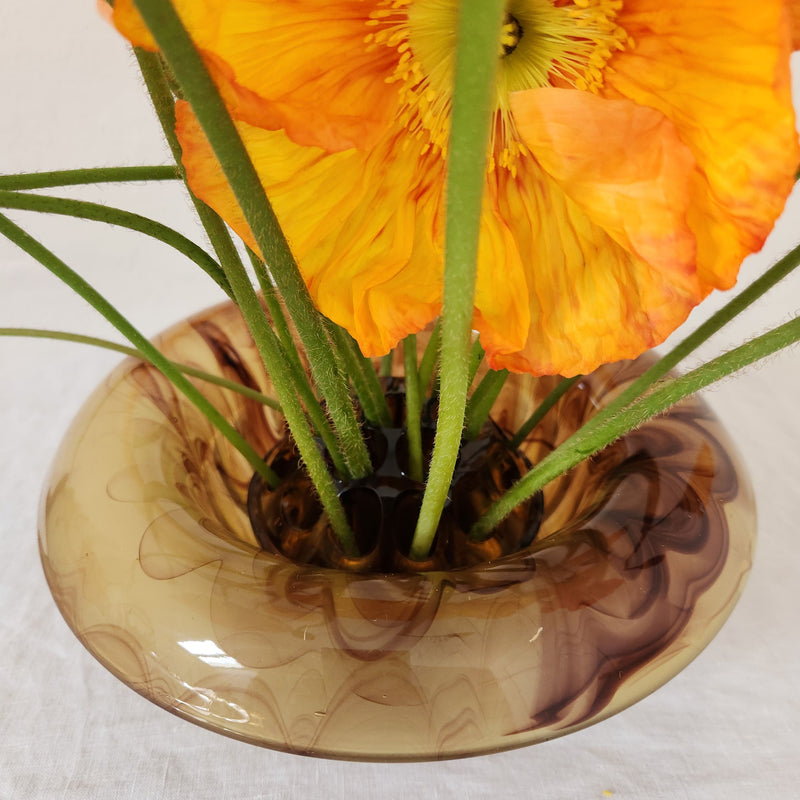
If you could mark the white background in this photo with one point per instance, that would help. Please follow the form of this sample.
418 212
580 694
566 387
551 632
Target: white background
727 727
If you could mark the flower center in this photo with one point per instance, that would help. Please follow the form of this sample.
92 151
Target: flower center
510 34
542 43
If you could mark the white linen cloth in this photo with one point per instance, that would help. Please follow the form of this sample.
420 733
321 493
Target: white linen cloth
727 727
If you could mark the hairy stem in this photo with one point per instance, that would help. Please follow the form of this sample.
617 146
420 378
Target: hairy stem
189 70
124 219
475 359
538 415
481 401
193 372
75 177
363 376
430 357
266 341
476 61
593 437
413 408
385 369
158 86
302 386
50 261
161 93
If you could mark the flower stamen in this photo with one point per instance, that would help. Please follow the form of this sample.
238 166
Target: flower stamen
564 43
510 35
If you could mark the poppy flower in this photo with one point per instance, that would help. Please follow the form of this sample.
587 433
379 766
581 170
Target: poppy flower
640 149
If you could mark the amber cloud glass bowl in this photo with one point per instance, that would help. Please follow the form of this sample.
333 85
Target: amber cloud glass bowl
151 558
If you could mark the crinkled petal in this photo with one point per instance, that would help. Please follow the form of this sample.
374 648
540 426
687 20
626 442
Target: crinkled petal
625 209
501 286
623 164
359 225
591 300
719 70
299 66
598 217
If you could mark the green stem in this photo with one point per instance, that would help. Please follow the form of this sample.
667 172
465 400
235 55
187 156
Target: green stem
538 415
125 219
159 88
476 355
272 353
287 384
268 345
189 70
481 402
298 374
385 369
50 261
413 408
478 34
64 336
592 438
429 358
363 376
73 177
275 310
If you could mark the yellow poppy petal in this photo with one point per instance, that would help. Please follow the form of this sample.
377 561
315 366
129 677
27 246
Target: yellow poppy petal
606 218
623 164
330 90
598 217
720 72
590 300
359 225
501 286
129 23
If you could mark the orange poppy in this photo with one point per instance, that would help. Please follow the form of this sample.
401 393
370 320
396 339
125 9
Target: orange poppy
640 150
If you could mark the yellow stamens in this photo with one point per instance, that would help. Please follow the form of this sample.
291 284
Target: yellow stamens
542 43
510 35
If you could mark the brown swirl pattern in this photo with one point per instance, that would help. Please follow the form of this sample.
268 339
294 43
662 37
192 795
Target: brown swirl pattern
148 551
